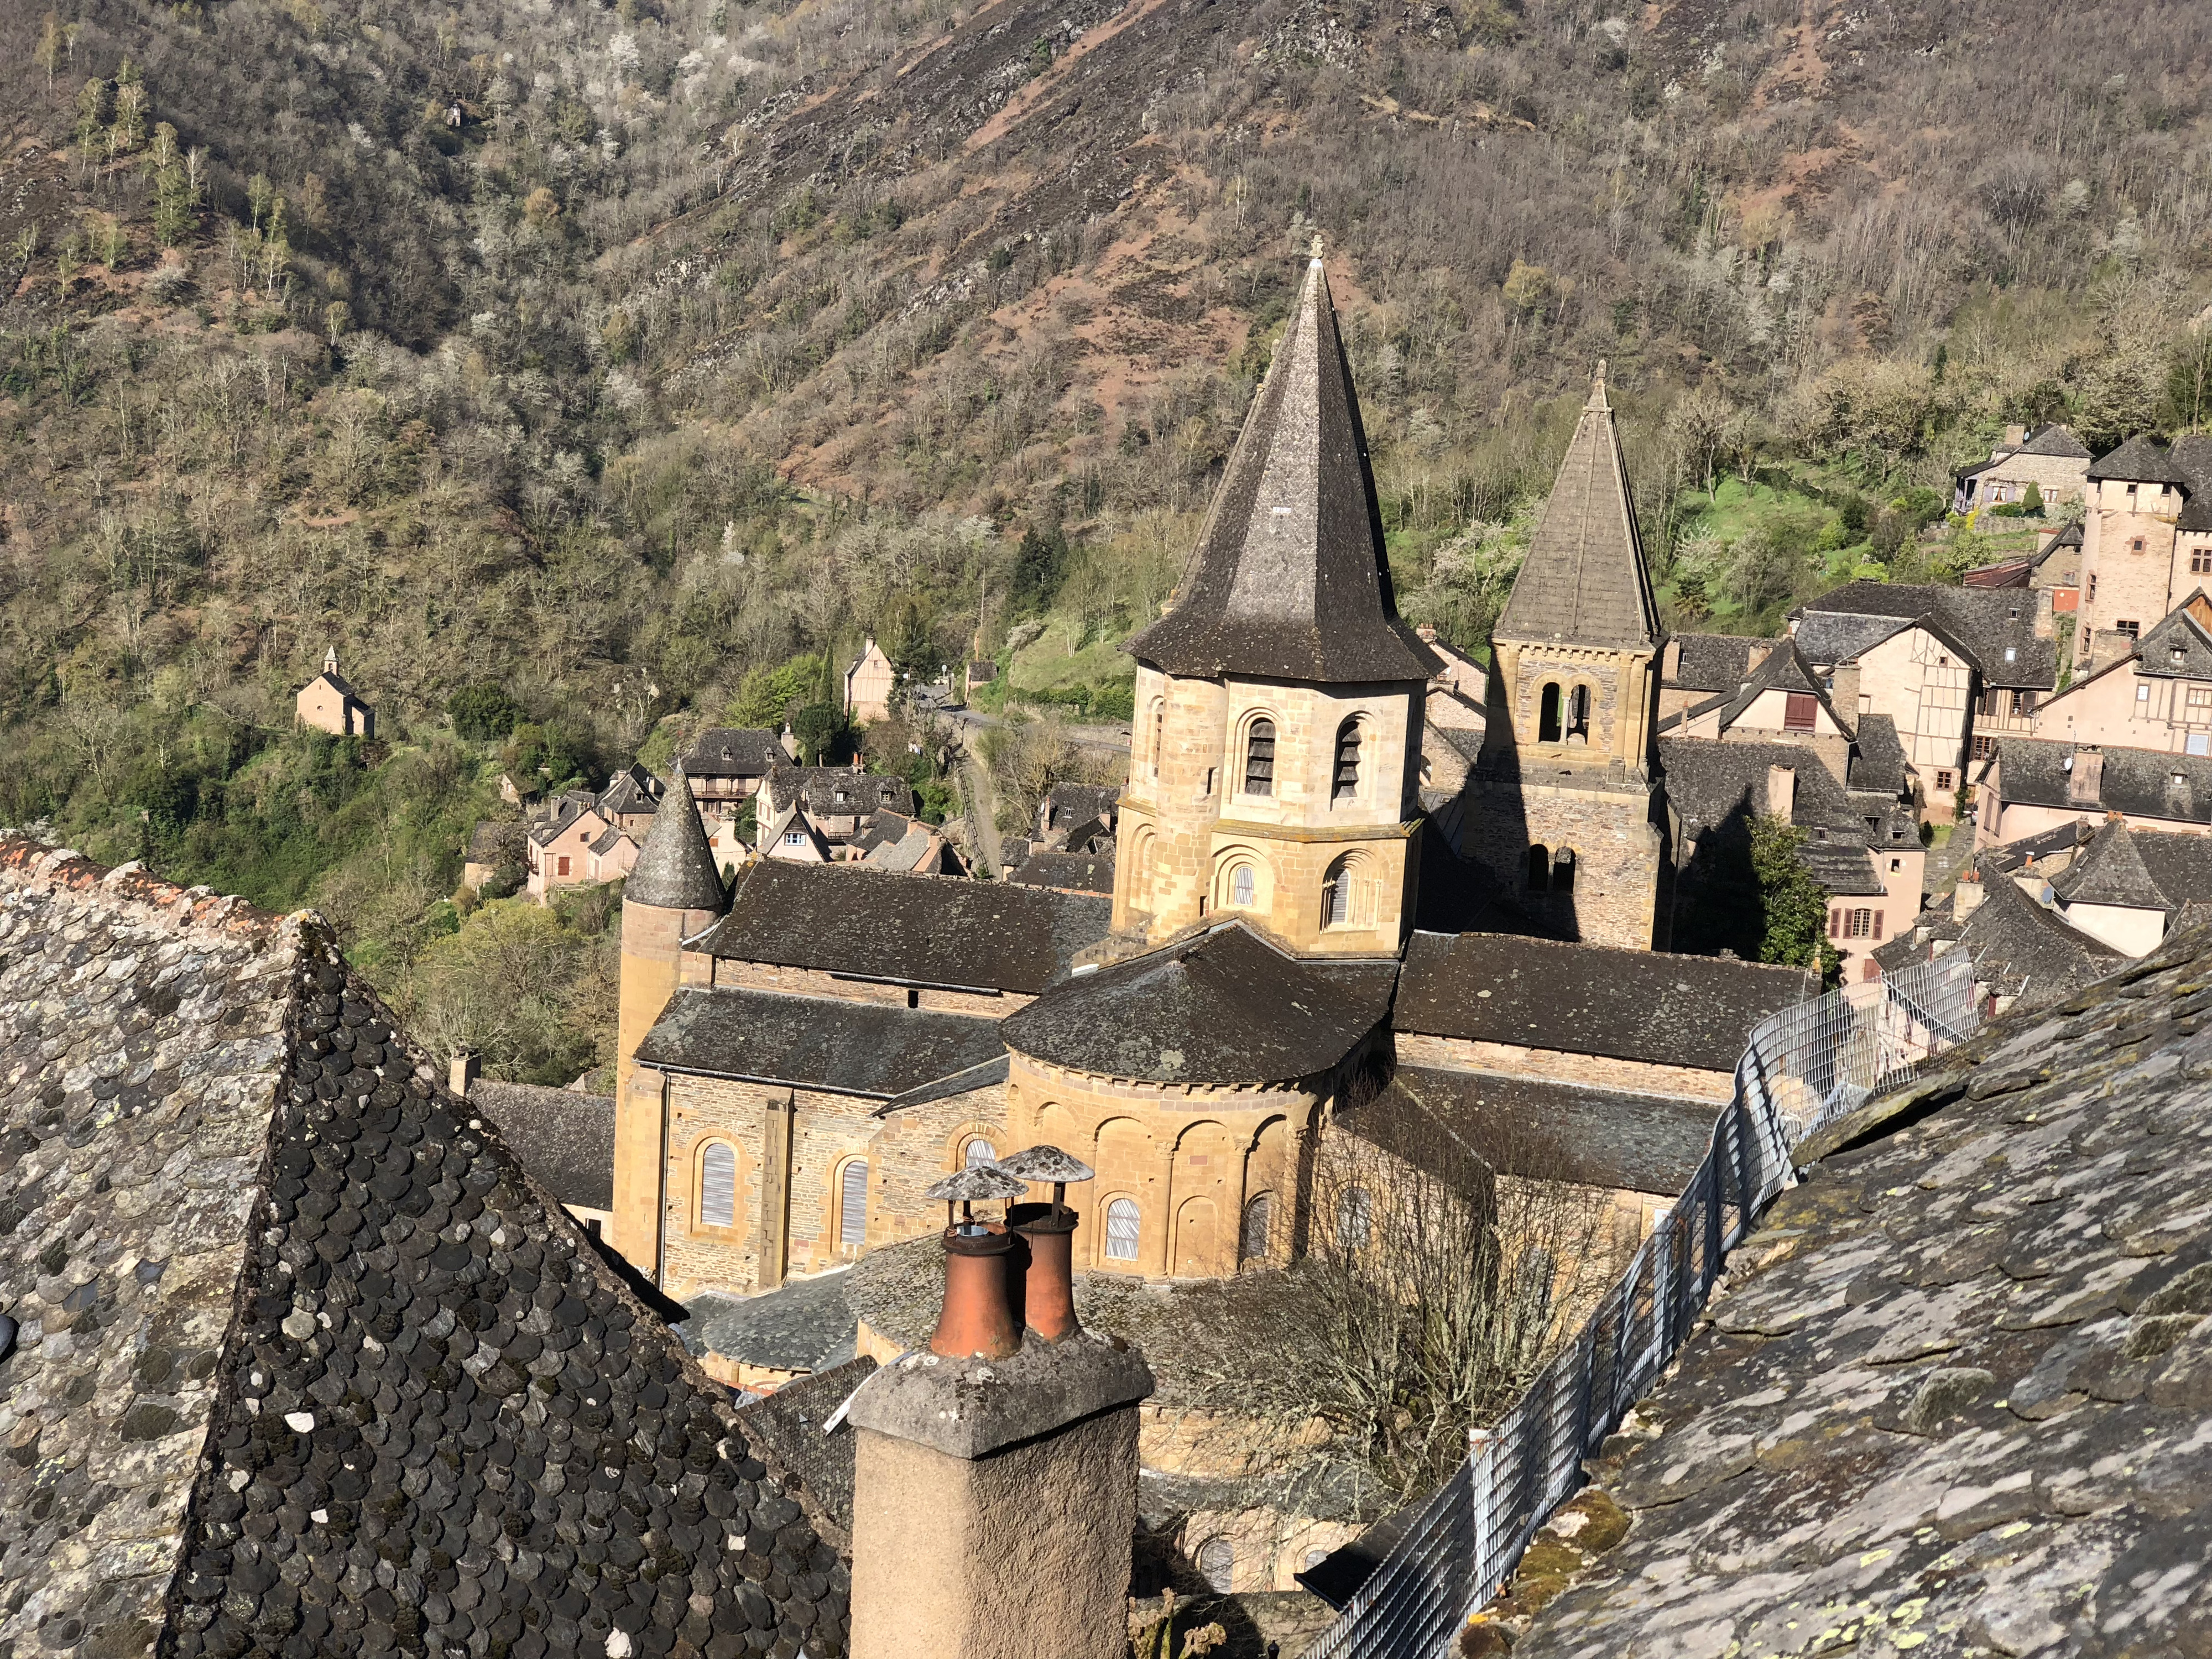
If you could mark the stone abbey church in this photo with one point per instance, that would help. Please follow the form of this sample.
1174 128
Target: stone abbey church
1284 948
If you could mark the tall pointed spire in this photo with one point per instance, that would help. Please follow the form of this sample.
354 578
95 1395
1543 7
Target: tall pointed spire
675 868
1289 580
1584 581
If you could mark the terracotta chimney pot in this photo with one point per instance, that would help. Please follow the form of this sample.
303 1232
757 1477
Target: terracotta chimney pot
978 1316
1047 1280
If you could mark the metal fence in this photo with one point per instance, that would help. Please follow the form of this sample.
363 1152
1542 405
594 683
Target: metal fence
1802 1068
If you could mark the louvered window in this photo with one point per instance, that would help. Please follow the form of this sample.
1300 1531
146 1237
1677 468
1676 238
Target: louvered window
978 1151
1121 1230
1336 895
853 1206
1217 1565
1347 761
1354 1214
1258 1215
1260 759
717 1187
1244 889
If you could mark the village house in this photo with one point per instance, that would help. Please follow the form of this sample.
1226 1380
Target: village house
561 835
630 800
838 804
2031 786
1695 668
2050 458
869 681
728 764
327 703
2156 696
2146 542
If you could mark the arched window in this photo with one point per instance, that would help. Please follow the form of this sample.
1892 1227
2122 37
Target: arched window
1159 732
1336 894
1260 758
718 1187
1345 785
978 1151
1243 886
1121 1222
1355 1213
1563 869
852 1205
1259 1216
1547 716
1217 1565
1315 1558
1578 713
1540 869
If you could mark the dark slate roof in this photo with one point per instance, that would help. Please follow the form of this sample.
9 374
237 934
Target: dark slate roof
2144 869
289 1321
839 792
2139 782
1929 1403
1223 1006
1984 623
991 1070
2022 949
1584 580
1714 784
798 1327
632 789
2178 646
2014 855
2139 460
1079 872
675 868
789 1424
1462 1124
566 1138
914 930
1590 998
1978 468
559 816
815 1042
2069 537
1785 670
1877 763
1289 580
1713 662
1069 804
726 751
2056 440
609 839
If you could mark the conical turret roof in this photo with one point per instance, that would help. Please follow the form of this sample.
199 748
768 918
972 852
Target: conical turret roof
1289 580
675 868
1584 581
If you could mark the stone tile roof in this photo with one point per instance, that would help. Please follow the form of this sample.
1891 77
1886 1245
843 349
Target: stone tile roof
2178 646
725 752
1461 1126
2065 838
308 1364
1993 627
1590 998
1723 786
1067 804
2055 440
2024 949
1785 669
1713 662
794 1327
675 868
2146 869
839 792
1959 1388
632 789
2139 782
1584 580
560 815
566 1137
789 1424
1877 763
815 1042
980 1076
609 839
1069 872
2139 460
1289 580
1223 1007
916 930
2069 537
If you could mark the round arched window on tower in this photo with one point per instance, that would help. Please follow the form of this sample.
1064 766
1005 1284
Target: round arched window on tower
1217 1565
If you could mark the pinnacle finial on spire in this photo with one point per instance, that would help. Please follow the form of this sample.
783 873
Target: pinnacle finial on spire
1597 398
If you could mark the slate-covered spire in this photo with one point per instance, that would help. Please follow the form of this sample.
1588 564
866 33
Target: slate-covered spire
675 868
1289 580
1584 581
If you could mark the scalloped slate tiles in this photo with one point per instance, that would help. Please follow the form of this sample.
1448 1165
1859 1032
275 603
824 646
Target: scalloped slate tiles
311 1367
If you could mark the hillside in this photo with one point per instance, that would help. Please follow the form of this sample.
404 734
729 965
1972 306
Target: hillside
616 357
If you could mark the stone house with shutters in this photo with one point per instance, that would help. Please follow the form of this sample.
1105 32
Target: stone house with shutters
2051 458
2030 787
2158 696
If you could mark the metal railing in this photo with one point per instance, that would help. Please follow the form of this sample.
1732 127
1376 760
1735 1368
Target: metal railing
1802 1068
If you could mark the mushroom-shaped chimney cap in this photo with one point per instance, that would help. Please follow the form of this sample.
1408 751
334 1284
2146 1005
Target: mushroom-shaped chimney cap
977 1182
1046 1163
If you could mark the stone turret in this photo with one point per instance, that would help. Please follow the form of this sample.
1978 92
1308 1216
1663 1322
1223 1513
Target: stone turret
1566 805
1275 768
672 894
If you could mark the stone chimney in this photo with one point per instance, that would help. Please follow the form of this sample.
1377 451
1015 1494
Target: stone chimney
1670 661
467 1065
1760 650
1781 790
995 1498
2015 436
2084 777
1966 897
2046 620
1843 690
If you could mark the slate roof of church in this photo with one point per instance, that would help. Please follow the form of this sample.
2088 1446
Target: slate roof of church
1590 998
307 1361
1289 580
1223 1007
1462 1124
913 930
1958 1387
831 1043
567 1137
1076 872
803 1325
675 868
2139 783
1584 580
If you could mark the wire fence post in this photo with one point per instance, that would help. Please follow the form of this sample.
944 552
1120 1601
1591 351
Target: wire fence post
1482 1491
